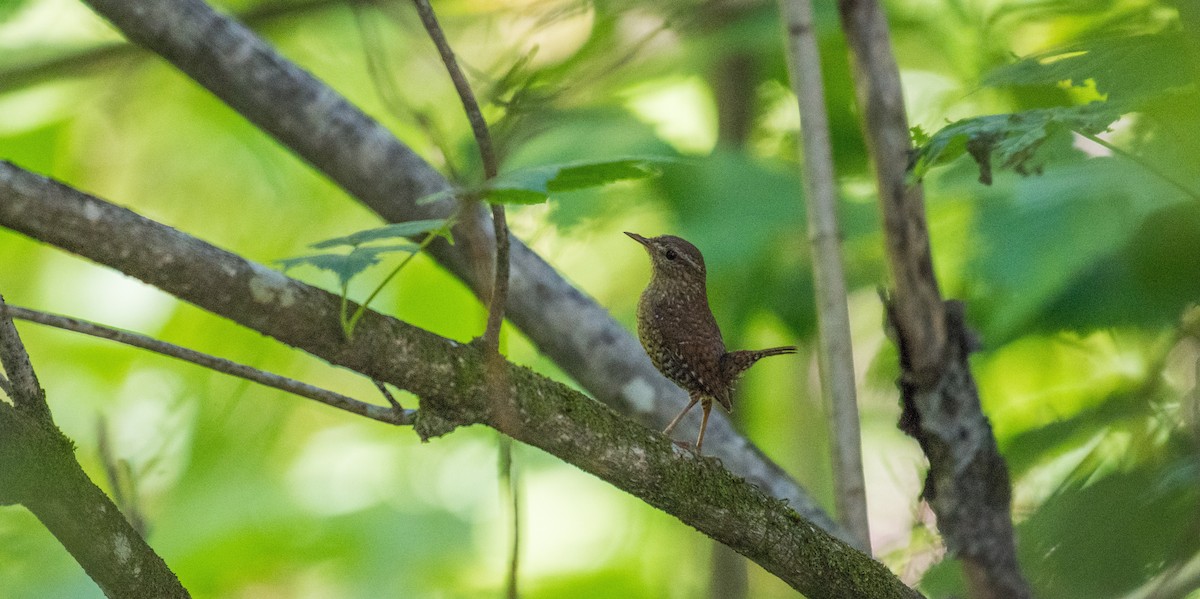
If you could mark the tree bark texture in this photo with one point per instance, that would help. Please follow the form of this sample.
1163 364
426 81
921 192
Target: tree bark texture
968 485
366 160
38 470
450 380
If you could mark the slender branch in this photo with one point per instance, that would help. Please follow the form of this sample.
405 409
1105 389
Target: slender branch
491 168
968 483
885 124
38 470
6 386
494 374
388 396
329 398
511 488
23 386
836 347
451 380
367 161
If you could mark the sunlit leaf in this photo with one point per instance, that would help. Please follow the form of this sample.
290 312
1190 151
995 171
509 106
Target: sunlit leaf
535 184
346 266
1117 66
393 231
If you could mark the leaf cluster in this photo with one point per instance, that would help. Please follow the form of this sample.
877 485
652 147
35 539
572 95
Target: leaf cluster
1013 140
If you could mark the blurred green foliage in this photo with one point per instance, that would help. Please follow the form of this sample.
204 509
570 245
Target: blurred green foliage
1076 279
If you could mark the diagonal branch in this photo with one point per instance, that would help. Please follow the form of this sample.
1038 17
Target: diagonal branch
38 470
968 484
450 379
389 415
22 384
365 159
97 58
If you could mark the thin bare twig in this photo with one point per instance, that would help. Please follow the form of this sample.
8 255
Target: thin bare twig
491 168
382 386
6 386
388 415
836 347
1145 164
497 381
511 488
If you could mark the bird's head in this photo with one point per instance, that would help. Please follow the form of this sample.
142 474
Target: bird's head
673 257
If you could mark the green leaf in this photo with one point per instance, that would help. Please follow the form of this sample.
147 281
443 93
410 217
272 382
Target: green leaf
1012 139
8 8
1117 66
346 266
437 196
535 184
393 231
919 136
1057 252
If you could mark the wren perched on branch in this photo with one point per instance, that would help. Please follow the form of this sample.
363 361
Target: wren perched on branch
679 332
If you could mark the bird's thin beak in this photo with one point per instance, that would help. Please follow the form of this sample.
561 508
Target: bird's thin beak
638 238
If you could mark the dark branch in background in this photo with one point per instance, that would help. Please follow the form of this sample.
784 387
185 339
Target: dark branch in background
483 139
95 59
449 378
38 470
393 415
968 484
367 161
836 347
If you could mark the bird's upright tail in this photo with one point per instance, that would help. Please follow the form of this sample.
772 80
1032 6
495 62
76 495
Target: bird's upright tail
735 363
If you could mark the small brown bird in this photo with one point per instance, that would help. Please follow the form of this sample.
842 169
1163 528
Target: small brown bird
678 330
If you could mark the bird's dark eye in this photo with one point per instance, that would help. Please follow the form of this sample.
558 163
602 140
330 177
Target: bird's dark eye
671 255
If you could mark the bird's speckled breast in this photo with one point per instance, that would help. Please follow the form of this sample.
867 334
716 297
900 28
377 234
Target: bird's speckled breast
682 339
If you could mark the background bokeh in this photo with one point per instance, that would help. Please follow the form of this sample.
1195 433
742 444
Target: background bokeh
1077 279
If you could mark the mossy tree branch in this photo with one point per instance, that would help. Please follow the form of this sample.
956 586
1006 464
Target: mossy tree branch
366 160
449 377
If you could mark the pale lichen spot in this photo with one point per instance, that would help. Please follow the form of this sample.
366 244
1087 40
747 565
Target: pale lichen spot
92 211
269 287
121 548
639 394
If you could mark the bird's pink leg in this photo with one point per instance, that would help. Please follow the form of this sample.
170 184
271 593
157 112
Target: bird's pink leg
707 407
